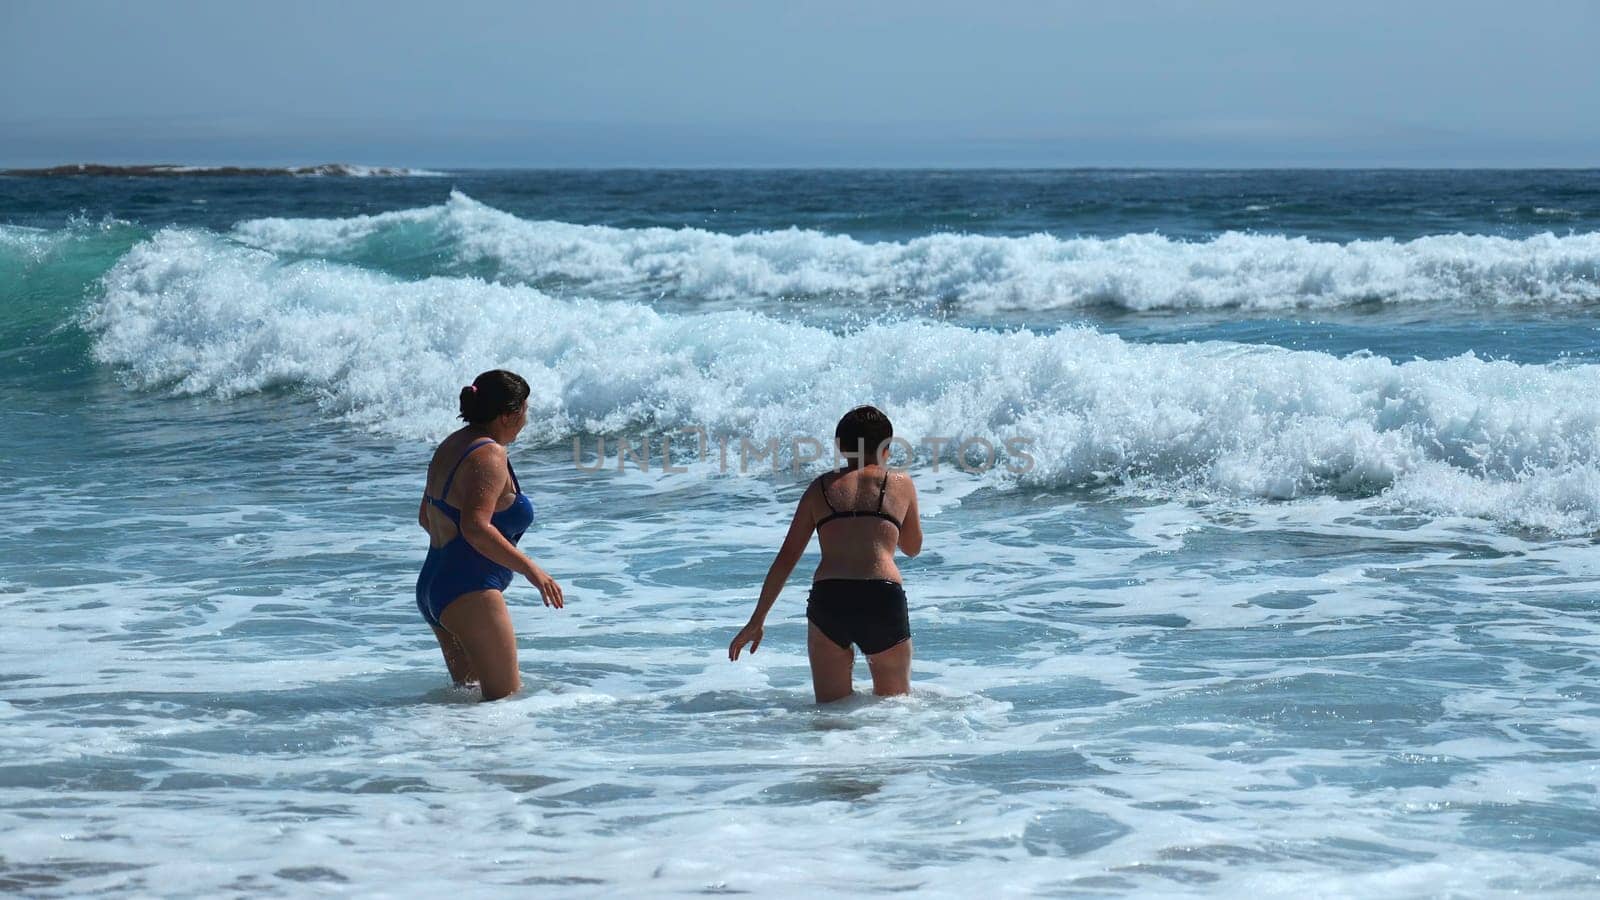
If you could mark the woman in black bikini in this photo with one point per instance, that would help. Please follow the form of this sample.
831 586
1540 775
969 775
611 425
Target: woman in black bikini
860 516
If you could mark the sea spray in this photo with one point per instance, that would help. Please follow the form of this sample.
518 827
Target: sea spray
194 313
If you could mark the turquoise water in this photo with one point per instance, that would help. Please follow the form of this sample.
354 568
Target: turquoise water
1298 594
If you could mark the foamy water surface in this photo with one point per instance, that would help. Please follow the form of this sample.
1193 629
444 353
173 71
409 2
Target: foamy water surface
1280 605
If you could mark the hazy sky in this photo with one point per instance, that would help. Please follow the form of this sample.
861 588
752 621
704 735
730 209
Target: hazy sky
864 82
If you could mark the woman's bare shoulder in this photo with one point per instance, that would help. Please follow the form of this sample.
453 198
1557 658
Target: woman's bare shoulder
450 450
492 455
813 490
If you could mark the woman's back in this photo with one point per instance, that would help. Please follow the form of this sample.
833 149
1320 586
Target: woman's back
860 516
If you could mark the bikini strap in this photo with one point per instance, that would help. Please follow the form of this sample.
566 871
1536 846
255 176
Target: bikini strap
515 484
883 489
451 479
822 485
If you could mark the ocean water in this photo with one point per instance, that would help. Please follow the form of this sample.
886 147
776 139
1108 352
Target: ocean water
1282 578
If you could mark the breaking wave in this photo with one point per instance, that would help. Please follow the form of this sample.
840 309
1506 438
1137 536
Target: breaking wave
191 312
1140 272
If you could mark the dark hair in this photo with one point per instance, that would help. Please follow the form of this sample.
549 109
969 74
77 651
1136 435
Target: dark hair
494 393
864 428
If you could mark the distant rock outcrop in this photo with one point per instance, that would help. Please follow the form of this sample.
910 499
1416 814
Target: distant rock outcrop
336 170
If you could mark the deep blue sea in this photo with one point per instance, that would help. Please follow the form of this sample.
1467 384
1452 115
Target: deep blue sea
1262 513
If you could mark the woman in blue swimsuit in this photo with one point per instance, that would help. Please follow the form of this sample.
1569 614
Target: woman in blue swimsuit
861 516
474 511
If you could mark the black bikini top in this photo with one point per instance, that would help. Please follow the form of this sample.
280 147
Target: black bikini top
856 513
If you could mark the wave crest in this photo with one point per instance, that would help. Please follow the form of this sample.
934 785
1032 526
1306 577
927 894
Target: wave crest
191 312
1141 272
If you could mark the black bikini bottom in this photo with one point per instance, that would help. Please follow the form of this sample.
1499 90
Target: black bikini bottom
868 613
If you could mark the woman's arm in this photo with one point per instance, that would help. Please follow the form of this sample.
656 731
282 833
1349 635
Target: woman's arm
422 513
794 546
911 527
483 477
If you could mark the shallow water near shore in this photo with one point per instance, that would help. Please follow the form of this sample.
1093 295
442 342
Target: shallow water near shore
1299 597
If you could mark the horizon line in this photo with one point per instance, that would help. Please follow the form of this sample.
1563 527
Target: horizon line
7 169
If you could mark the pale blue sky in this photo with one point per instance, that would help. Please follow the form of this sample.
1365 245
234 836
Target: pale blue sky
887 83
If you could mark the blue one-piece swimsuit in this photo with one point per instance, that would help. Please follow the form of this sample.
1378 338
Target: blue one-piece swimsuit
456 568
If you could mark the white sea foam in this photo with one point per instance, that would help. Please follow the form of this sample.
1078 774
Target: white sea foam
981 273
24 240
24 247
35 245
1518 443
1128 721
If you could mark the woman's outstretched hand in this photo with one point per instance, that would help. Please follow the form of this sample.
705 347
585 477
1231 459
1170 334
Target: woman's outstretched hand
547 587
750 634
